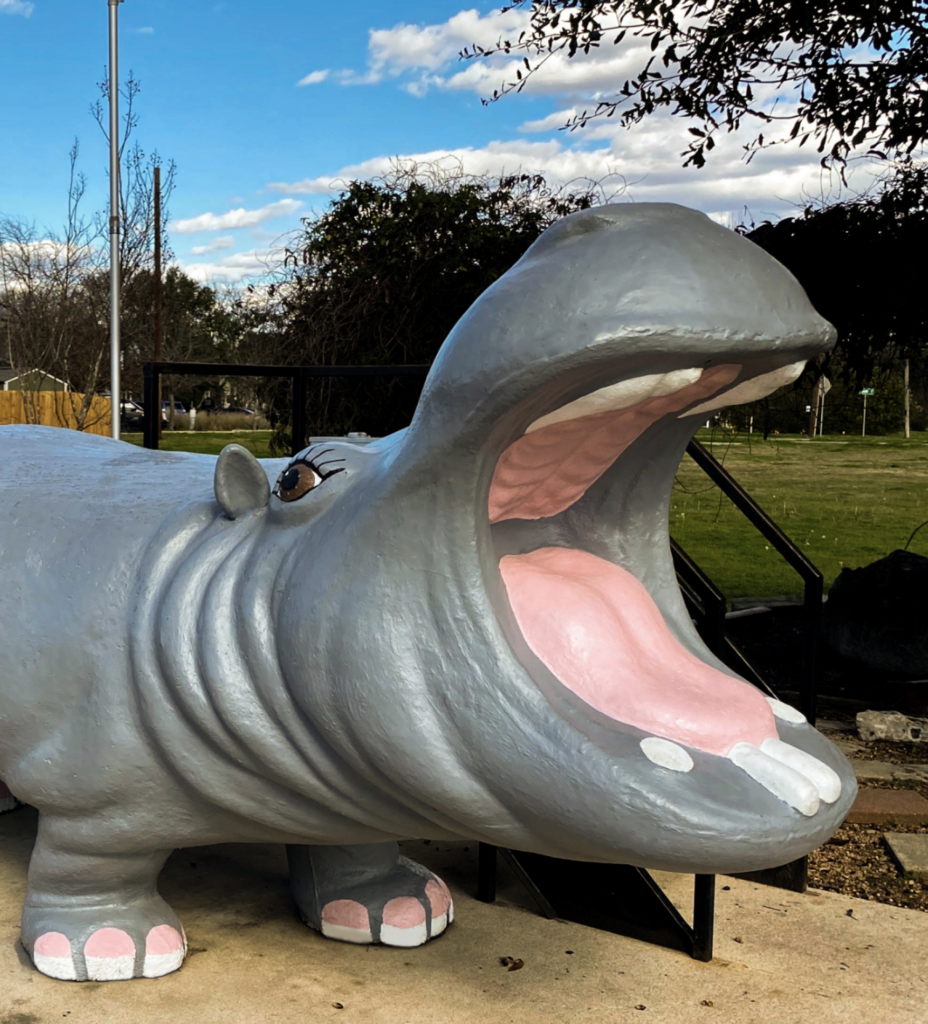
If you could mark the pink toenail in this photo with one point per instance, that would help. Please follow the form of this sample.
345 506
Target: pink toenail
163 939
438 897
109 942
53 944
404 912
348 913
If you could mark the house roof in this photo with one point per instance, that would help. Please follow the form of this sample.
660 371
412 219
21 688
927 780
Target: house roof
8 373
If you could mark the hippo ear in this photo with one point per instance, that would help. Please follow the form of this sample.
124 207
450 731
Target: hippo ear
240 484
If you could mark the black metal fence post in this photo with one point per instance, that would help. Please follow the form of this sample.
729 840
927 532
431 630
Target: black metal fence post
703 917
812 604
298 414
151 377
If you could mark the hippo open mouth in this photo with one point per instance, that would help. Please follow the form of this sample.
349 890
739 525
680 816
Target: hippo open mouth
592 622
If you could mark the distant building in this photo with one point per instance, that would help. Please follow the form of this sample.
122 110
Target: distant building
12 379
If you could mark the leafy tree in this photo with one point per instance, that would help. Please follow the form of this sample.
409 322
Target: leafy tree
54 285
855 68
384 274
193 323
860 263
787 410
50 322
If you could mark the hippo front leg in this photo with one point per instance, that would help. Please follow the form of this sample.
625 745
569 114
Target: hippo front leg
368 893
96 916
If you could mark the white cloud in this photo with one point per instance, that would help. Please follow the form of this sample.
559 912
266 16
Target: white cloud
240 218
428 48
646 157
550 123
216 245
314 77
22 7
593 76
233 268
424 57
146 30
551 158
427 56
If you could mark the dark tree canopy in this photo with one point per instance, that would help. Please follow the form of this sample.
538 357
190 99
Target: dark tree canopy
856 67
861 263
384 274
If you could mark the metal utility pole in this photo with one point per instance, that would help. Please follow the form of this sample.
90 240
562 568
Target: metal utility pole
866 392
115 390
812 429
158 293
825 388
907 424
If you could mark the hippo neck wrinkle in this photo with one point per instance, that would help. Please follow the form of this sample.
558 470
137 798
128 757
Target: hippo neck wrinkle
213 695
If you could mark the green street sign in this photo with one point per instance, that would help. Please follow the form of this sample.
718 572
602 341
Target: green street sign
867 391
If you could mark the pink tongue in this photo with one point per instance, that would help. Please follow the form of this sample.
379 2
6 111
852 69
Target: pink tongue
597 629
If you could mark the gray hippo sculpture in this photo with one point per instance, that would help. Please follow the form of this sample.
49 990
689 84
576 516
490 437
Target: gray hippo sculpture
469 629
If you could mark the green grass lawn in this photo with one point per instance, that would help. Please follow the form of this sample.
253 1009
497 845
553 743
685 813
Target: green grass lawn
845 501
210 442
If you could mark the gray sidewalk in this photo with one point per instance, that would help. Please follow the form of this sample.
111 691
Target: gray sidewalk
800 958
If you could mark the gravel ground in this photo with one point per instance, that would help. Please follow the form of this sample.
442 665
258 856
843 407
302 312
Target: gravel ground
856 861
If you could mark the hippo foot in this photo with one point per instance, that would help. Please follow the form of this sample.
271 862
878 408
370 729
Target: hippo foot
104 943
368 894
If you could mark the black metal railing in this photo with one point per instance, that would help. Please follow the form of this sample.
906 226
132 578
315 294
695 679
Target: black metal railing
813 580
616 898
706 605
151 378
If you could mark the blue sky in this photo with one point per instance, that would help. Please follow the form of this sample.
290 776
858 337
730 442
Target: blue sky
256 150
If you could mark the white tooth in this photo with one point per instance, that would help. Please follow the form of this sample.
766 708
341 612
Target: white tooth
620 396
749 390
785 711
666 754
824 779
784 782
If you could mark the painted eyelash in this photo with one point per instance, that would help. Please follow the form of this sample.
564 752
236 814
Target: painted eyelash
311 460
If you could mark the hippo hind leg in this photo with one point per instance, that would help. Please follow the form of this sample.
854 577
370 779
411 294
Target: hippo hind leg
97 916
368 893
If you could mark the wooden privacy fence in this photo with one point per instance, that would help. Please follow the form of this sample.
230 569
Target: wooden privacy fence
54 409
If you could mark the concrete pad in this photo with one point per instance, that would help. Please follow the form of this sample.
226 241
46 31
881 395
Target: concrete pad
886 772
849 747
780 957
910 853
889 806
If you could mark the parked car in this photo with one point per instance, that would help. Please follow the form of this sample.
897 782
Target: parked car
132 415
179 409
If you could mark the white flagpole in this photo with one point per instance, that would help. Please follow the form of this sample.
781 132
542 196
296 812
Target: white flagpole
115 391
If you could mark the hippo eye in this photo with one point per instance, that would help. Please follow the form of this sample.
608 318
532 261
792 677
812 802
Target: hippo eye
304 475
297 480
